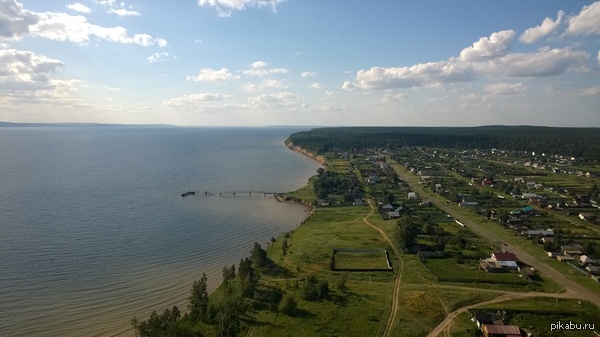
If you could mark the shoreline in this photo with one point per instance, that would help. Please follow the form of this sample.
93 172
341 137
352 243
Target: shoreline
320 159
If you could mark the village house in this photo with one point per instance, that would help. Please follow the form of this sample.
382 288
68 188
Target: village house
506 260
412 196
532 233
571 250
585 261
581 200
594 270
496 330
357 202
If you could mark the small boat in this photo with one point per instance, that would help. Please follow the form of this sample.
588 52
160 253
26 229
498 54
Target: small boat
188 193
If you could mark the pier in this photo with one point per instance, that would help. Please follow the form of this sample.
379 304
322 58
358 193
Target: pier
228 193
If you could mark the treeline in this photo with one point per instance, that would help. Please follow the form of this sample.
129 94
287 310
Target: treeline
576 142
220 316
329 182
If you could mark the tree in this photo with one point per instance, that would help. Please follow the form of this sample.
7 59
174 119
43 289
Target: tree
288 305
226 316
259 256
314 289
199 300
406 232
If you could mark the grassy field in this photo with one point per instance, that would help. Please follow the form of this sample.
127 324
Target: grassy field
538 314
447 270
360 260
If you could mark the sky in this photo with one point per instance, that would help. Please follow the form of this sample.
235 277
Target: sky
301 62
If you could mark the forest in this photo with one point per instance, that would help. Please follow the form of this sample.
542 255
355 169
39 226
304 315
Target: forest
582 143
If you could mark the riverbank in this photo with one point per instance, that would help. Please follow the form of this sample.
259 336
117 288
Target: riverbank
320 159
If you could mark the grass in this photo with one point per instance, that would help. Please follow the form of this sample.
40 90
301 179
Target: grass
538 314
447 270
356 311
360 260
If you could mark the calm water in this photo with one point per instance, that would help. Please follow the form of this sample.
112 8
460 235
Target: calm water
94 231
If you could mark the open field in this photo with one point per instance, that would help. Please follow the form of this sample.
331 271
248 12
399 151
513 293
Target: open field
449 271
360 260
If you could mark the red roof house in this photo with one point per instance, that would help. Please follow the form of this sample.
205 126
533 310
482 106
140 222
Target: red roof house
493 330
504 257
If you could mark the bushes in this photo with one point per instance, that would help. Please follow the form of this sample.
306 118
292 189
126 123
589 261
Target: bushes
288 305
314 289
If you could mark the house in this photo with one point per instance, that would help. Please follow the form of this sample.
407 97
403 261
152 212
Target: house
585 216
387 208
504 257
581 200
565 258
481 317
412 196
528 210
396 213
594 270
357 202
547 239
585 260
506 261
468 204
373 179
322 202
592 174
531 233
552 254
571 250
490 266
487 182
496 330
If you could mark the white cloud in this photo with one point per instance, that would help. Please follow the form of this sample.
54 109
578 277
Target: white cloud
119 9
390 98
497 89
308 74
497 44
538 64
79 8
224 7
266 83
25 79
158 57
259 68
25 70
586 22
213 76
415 76
273 83
123 12
486 57
547 27
330 93
591 91
281 99
195 100
16 22
315 85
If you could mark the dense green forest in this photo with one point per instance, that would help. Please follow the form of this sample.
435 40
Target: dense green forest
576 142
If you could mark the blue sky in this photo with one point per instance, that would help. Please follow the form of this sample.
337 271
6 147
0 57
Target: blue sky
301 62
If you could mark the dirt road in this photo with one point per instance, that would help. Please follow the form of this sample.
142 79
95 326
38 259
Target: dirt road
396 292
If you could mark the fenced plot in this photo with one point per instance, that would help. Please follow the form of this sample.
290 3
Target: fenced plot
360 260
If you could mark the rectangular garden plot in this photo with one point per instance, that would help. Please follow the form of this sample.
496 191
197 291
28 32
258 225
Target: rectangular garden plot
349 259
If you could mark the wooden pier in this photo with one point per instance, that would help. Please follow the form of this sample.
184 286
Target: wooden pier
234 193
